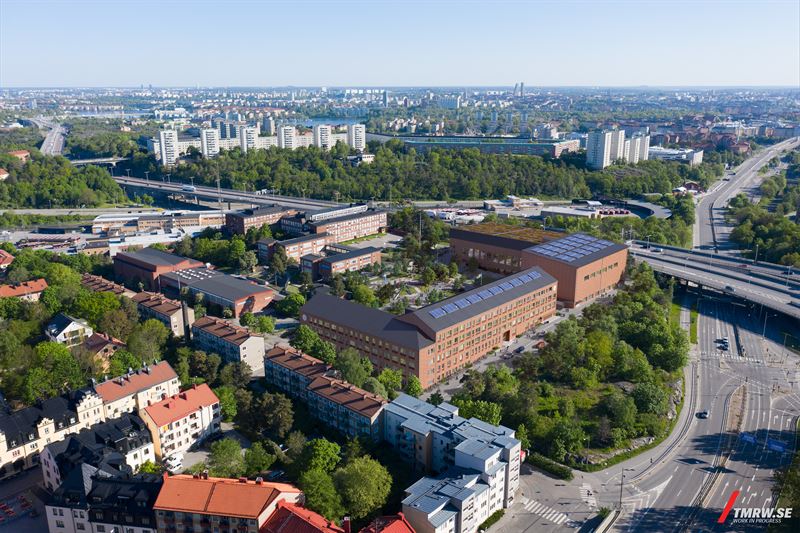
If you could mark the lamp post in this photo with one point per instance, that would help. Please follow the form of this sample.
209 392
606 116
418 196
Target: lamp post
622 484
147 175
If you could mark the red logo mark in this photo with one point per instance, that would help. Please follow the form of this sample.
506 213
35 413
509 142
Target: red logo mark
728 507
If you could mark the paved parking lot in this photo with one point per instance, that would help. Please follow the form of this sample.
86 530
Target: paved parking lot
28 484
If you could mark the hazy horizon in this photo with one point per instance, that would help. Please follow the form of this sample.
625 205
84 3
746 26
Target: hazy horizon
641 44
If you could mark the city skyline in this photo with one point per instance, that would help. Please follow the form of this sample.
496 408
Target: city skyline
725 43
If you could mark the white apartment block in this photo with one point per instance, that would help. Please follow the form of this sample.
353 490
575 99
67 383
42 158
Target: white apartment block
617 150
247 138
598 150
357 136
168 147
137 389
180 421
286 137
231 342
322 136
209 142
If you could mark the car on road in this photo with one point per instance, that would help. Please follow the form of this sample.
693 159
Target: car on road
730 288
519 349
658 250
703 414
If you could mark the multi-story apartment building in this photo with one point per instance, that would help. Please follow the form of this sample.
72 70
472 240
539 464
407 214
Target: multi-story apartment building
268 126
180 421
99 284
231 342
66 330
294 248
25 433
89 501
357 136
189 222
247 138
322 136
137 389
287 137
115 446
168 147
617 148
203 503
348 227
342 406
480 460
237 223
146 265
171 313
436 341
585 267
598 149
209 142
30 291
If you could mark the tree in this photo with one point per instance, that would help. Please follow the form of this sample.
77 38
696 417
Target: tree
304 339
522 436
353 449
247 319
227 402
364 486
278 262
147 340
392 381
117 323
247 262
620 409
257 460
52 371
436 398
365 296
324 351
290 306
320 454
204 365
225 459
413 387
236 374
489 412
650 398
281 415
149 467
337 286
266 324
295 444
375 387
321 494
354 368
122 360
428 276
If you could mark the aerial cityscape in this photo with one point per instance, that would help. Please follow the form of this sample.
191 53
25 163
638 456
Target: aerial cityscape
433 267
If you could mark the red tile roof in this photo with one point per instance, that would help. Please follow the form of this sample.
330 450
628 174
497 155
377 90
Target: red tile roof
223 329
157 303
347 395
142 379
5 257
99 284
23 289
389 524
221 496
297 361
291 518
99 341
181 405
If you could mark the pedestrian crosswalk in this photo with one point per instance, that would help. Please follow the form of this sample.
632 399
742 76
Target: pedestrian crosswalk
548 513
732 357
587 495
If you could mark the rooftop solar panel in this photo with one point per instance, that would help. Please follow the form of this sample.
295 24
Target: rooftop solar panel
525 278
437 313
474 298
485 294
462 303
495 290
506 286
515 282
533 275
450 308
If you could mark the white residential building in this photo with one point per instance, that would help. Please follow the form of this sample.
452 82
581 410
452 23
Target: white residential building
247 138
168 147
357 136
598 150
231 342
268 126
322 136
617 149
286 137
209 142
180 421
64 329
137 389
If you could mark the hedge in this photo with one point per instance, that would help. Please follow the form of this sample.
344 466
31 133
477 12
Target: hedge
492 520
548 465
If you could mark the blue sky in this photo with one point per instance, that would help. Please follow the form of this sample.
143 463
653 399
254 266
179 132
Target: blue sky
399 43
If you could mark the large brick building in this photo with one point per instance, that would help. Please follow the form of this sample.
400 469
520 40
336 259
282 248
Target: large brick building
586 267
436 341
147 264
239 222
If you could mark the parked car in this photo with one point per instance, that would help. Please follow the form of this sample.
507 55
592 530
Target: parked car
702 414
519 349
275 474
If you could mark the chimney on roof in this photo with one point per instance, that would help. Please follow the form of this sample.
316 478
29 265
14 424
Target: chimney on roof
205 474
242 480
259 480
346 524
182 396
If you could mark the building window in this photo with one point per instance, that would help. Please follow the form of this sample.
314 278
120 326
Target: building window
59 523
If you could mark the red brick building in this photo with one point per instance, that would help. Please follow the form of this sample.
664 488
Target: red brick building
147 264
239 222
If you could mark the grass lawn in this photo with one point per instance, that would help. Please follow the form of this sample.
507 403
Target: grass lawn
693 323
362 239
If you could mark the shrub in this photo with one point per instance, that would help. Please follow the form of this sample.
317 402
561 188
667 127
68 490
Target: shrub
548 465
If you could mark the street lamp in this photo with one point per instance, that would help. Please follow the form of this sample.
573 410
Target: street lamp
147 175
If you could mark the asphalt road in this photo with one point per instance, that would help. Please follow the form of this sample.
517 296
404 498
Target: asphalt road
712 206
53 143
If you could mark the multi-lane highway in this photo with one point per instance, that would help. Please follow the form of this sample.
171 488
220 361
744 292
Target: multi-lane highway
226 195
53 143
711 230
770 285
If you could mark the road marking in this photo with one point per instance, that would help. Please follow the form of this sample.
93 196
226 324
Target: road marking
549 513
587 495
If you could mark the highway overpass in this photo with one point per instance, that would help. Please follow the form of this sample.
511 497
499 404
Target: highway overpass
773 286
224 195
